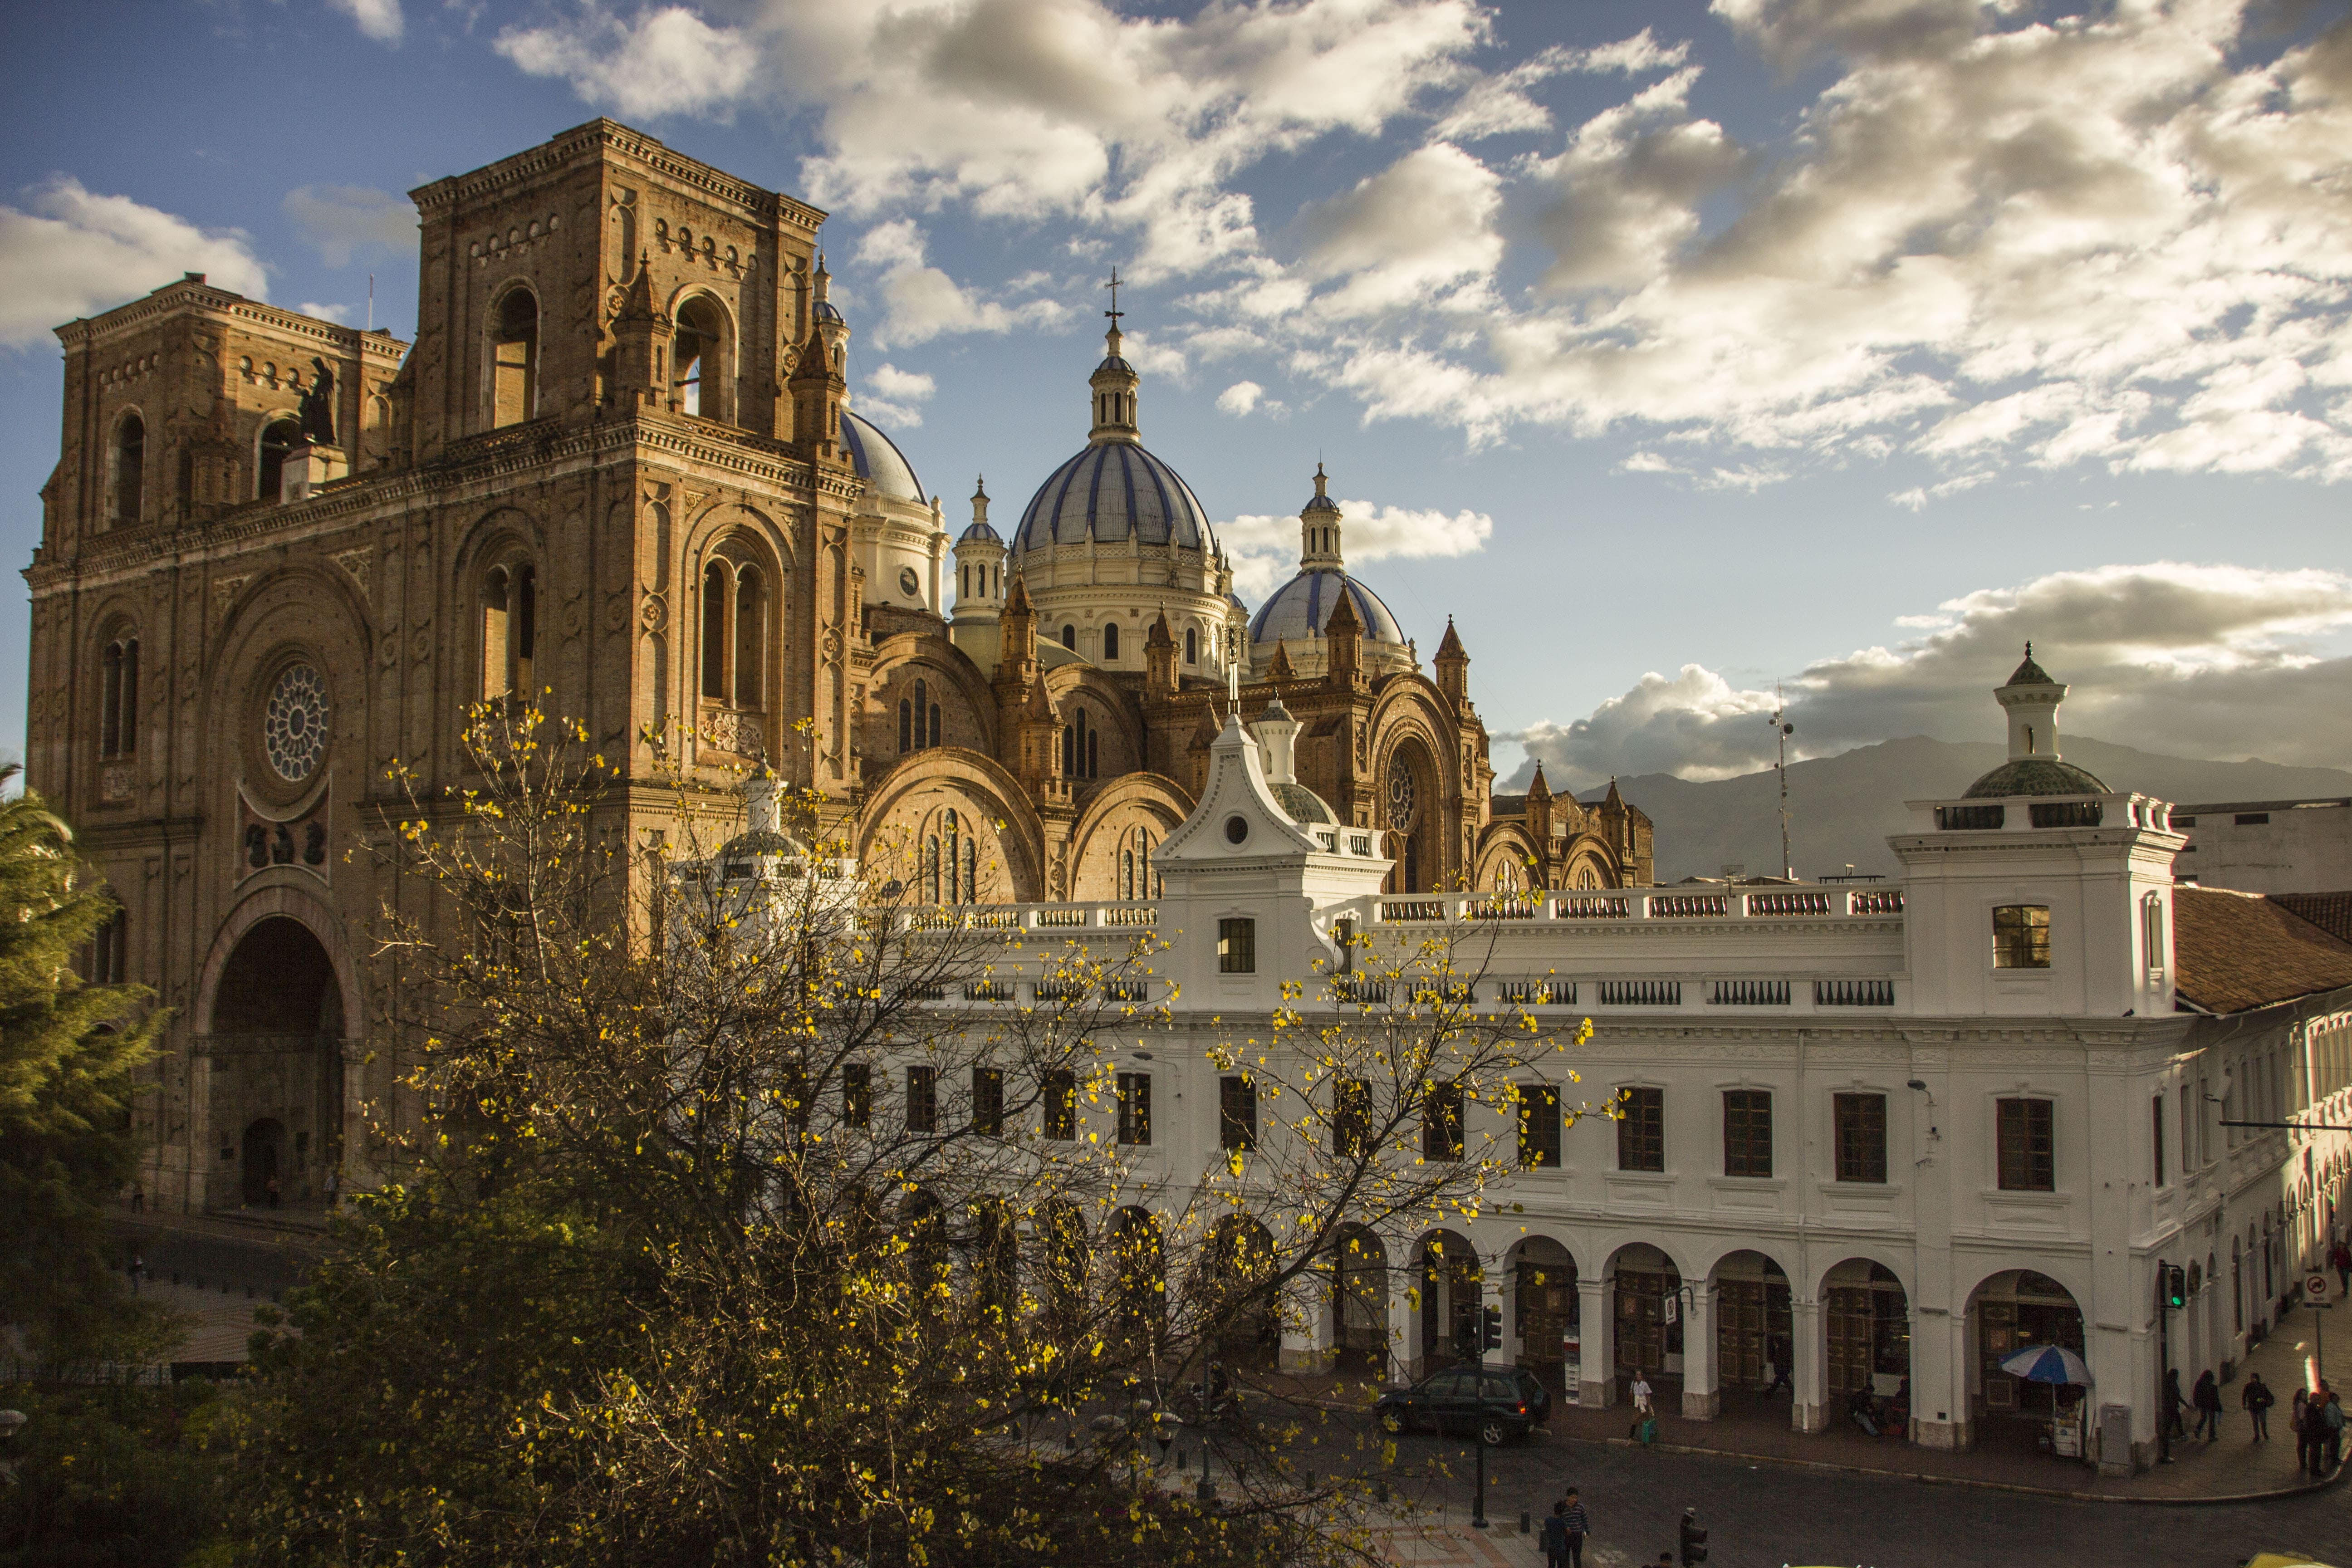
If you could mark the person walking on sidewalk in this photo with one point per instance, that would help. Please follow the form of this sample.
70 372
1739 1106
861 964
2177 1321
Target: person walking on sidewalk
2172 1403
1578 1525
2208 1399
1641 1392
2298 1419
2331 1433
1555 1537
2339 1259
2258 1399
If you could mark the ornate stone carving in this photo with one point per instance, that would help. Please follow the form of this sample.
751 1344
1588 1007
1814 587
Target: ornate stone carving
356 563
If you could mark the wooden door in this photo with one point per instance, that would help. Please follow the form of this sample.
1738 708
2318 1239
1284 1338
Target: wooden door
1853 1329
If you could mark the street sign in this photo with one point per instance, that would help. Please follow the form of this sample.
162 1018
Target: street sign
2316 1289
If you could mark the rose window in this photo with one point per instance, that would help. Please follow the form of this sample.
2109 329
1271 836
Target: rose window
294 726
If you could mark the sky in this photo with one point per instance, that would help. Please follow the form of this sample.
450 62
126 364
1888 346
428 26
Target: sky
1694 358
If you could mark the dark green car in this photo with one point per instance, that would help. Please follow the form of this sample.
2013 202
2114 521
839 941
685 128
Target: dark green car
1498 1404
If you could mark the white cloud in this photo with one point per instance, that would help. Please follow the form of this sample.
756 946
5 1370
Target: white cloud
1265 547
1419 226
339 313
921 302
901 385
342 220
2183 659
1917 497
2125 238
70 252
379 19
1240 398
664 60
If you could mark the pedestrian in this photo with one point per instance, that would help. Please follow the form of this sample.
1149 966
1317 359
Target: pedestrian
1555 1536
2208 1399
2172 1403
2298 1420
1641 1392
1579 1525
2258 1399
2339 1258
334 1183
138 1272
271 1188
138 1197
2331 1433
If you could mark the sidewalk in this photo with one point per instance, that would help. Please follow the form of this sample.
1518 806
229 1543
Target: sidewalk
2005 1457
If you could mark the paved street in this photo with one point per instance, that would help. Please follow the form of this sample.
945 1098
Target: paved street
1763 1516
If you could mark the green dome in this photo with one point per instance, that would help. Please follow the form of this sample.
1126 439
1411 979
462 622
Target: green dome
2034 775
1303 805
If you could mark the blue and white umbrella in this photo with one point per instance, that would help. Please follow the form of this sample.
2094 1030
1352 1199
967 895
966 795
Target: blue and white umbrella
2048 1364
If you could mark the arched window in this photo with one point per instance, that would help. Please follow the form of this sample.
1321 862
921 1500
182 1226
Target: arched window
716 588
278 438
110 950
514 385
117 718
509 631
130 470
1191 645
751 636
1070 637
1110 642
1081 747
906 726
957 892
698 359
931 870
972 868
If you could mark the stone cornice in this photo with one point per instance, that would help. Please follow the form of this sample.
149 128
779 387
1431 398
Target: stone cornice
750 201
177 297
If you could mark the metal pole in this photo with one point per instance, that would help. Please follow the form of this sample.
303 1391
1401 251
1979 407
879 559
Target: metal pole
1478 1432
2163 1363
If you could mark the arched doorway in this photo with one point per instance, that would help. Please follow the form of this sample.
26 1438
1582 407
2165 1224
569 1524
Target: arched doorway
1547 1312
2010 1312
1649 1322
1140 1281
1866 1322
261 1152
1755 1342
1451 1283
276 1045
1359 1303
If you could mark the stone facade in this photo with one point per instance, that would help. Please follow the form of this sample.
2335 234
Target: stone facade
617 469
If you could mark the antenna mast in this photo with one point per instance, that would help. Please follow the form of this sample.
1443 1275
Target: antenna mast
1781 730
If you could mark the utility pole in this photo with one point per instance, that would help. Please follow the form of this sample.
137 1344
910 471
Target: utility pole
1781 730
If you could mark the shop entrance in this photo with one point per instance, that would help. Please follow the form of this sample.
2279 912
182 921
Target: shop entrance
1649 1320
1868 1319
1548 1312
1753 1340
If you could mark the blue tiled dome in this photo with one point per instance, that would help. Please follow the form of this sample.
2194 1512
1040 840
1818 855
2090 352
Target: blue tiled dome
979 533
877 460
1109 490
1301 607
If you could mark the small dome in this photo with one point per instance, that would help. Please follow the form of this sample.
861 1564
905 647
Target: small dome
2029 673
824 310
1302 804
2034 775
1108 491
878 461
979 533
1301 607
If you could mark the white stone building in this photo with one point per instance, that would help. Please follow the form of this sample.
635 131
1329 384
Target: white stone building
1875 1138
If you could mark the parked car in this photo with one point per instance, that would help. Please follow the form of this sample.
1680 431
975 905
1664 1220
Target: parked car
1497 1404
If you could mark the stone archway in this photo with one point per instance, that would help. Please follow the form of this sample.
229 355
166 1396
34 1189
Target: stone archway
1453 1288
1546 1313
1360 1302
1412 810
275 1032
2008 1311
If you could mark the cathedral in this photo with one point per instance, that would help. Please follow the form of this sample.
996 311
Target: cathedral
620 466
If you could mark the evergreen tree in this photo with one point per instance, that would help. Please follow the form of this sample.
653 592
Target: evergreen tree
67 1054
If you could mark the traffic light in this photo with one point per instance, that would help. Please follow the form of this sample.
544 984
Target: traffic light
2176 1286
1490 1333
1693 1538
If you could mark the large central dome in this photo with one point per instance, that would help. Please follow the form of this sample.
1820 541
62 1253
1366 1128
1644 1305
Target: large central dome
1109 491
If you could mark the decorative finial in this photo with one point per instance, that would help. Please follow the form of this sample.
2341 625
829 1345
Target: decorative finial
1114 312
981 486
1319 480
2029 647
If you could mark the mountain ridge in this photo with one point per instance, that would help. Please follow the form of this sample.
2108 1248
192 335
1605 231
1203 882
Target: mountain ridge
1843 808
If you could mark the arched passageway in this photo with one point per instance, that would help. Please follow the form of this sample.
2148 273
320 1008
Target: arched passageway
1867 1324
1649 1322
1755 1338
2014 1311
1451 1284
1546 1314
277 1083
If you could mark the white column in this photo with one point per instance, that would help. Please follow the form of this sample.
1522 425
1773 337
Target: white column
1404 1328
1597 1335
1809 1409
1307 1316
1939 1386
1702 1398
